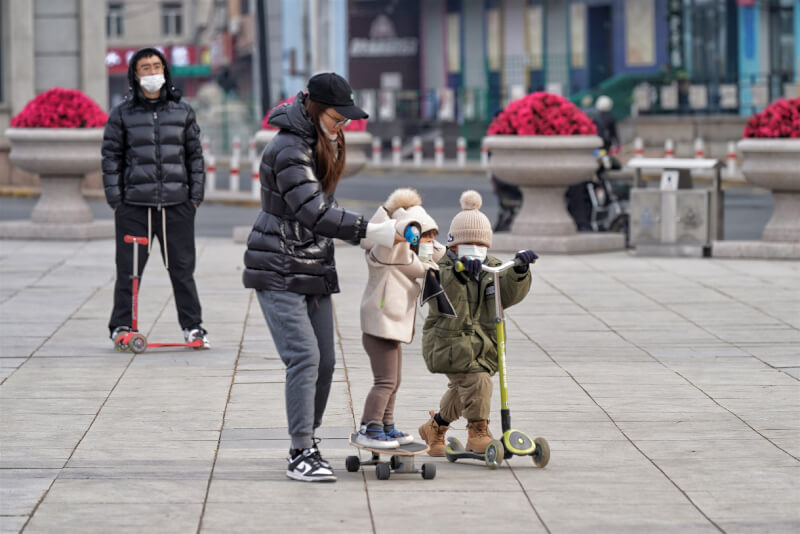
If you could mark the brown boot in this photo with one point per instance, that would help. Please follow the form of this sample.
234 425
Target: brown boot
433 434
478 436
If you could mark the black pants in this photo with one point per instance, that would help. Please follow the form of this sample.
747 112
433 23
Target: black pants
132 220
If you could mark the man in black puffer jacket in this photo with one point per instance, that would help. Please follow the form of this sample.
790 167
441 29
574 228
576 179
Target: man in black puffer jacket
153 169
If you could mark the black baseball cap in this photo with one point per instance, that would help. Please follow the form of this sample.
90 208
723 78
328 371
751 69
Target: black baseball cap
332 90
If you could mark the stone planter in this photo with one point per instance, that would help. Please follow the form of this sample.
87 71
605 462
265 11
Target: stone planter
774 164
357 144
61 157
543 167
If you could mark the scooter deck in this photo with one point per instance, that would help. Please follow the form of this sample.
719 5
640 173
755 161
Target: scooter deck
196 344
412 449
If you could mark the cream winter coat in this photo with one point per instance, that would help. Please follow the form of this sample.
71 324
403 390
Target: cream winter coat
389 304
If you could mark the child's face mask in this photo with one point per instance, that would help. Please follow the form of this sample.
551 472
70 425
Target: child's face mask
473 252
425 250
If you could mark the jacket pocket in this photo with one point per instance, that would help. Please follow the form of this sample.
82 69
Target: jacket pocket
448 352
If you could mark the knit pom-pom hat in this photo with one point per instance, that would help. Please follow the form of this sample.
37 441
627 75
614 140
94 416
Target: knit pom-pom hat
470 225
405 197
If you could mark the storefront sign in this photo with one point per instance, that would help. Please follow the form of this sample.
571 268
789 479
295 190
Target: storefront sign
640 31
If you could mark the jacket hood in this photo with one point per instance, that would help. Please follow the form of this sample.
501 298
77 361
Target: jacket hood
168 92
294 117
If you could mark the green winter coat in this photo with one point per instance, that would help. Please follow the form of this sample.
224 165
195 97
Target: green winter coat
468 343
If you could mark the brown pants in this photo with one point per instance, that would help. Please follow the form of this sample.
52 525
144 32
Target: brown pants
385 358
468 394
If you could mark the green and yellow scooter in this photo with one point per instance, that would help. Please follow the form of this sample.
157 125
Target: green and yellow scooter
514 442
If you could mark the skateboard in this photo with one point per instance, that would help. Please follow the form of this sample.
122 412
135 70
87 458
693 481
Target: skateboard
401 460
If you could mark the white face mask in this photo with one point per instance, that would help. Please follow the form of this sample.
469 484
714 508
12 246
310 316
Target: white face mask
331 136
473 252
152 83
426 251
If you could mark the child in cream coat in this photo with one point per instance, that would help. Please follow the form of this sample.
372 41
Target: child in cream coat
388 311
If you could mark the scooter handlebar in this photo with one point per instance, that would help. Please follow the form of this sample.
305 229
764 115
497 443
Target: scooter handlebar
459 267
134 239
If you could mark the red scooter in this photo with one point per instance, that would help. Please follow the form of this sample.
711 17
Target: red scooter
134 340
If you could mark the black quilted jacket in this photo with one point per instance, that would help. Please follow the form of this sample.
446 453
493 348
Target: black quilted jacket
290 247
152 154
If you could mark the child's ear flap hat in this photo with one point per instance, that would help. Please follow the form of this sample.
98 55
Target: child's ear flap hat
470 225
405 197
426 222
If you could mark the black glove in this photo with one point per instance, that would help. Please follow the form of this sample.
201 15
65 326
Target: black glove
523 258
471 266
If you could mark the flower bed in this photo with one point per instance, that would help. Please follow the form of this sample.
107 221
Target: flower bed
542 113
358 125
779 119
60 108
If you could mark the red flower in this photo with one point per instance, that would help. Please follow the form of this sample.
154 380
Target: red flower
779 119
541 113
358 125
60 108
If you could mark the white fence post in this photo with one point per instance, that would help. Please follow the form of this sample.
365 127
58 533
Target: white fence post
669 148
731 159
237 148
461 154
484 154
699 148
233 183
416 143
211 173
396 148
438 152
251 149
376 151
256 182
638 147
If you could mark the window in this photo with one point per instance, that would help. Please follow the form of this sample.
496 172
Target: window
171 18
114 24
3 48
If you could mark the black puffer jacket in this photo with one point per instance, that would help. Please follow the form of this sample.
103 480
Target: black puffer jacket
290 247
152 154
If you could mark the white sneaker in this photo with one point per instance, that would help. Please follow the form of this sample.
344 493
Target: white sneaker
306 467
193 334
375 437
401 437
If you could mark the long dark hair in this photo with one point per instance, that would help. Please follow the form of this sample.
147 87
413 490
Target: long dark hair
330 164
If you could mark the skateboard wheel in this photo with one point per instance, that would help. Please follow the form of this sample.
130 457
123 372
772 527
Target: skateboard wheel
428 471
383 471
138 343
493 456
541 456
352 463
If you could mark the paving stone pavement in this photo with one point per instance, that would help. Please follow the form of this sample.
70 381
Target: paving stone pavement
667 389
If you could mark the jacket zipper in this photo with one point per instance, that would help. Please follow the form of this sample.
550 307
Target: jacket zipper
158 158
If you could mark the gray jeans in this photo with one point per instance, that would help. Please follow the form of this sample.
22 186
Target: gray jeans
302 328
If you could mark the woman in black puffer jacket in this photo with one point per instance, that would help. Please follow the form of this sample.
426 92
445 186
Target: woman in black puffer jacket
289 258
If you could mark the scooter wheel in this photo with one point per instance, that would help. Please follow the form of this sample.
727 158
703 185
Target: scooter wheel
383 471
352 463
138 343
493 456
541 456
428 471
453 448
120 346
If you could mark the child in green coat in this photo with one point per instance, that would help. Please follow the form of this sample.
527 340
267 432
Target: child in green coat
465 347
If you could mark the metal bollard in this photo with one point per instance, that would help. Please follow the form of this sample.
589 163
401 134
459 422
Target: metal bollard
438 152
211 173
484 155
638 147
461 153
416 143
396 148
256 182
376 151
731 159
251 149
669 148
233 183
699 148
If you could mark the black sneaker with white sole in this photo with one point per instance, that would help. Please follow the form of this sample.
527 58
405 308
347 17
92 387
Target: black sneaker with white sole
322 461
304 465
